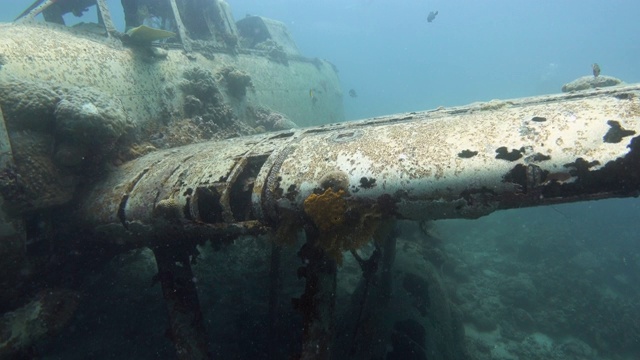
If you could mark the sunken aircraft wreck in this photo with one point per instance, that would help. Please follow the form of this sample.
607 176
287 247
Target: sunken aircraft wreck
114 143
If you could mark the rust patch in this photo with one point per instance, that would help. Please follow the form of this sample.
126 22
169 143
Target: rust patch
482 197
517 175
620 177
207 205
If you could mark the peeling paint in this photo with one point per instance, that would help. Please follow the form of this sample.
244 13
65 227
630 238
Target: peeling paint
467 154
616 133
416 163
504 154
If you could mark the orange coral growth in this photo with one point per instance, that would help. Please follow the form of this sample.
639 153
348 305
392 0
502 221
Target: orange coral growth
342 227
326 210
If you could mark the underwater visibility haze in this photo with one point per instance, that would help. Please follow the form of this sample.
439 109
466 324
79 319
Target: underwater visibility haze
113 138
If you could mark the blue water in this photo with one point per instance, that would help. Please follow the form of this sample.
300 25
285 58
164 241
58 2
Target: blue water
473 51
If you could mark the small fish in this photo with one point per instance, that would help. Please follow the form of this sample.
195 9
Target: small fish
432 16
353 93
596 69
312 95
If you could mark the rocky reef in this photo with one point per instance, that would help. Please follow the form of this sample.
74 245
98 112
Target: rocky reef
591 82
46 315
237 81
207 115
526 290
267 120
58 136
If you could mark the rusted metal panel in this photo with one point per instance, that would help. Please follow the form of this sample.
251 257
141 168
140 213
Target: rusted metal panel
196 180
462 162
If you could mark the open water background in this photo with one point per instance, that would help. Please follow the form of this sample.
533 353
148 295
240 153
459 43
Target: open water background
477 51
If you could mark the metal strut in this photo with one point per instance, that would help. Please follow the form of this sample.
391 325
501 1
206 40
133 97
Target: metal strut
187 330
318 302
174 251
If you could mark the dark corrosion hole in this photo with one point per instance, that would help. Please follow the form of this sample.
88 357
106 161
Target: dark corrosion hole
478 196
616 132
528 177
539 119
240 197
186 209
517 175
466 154
208 204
